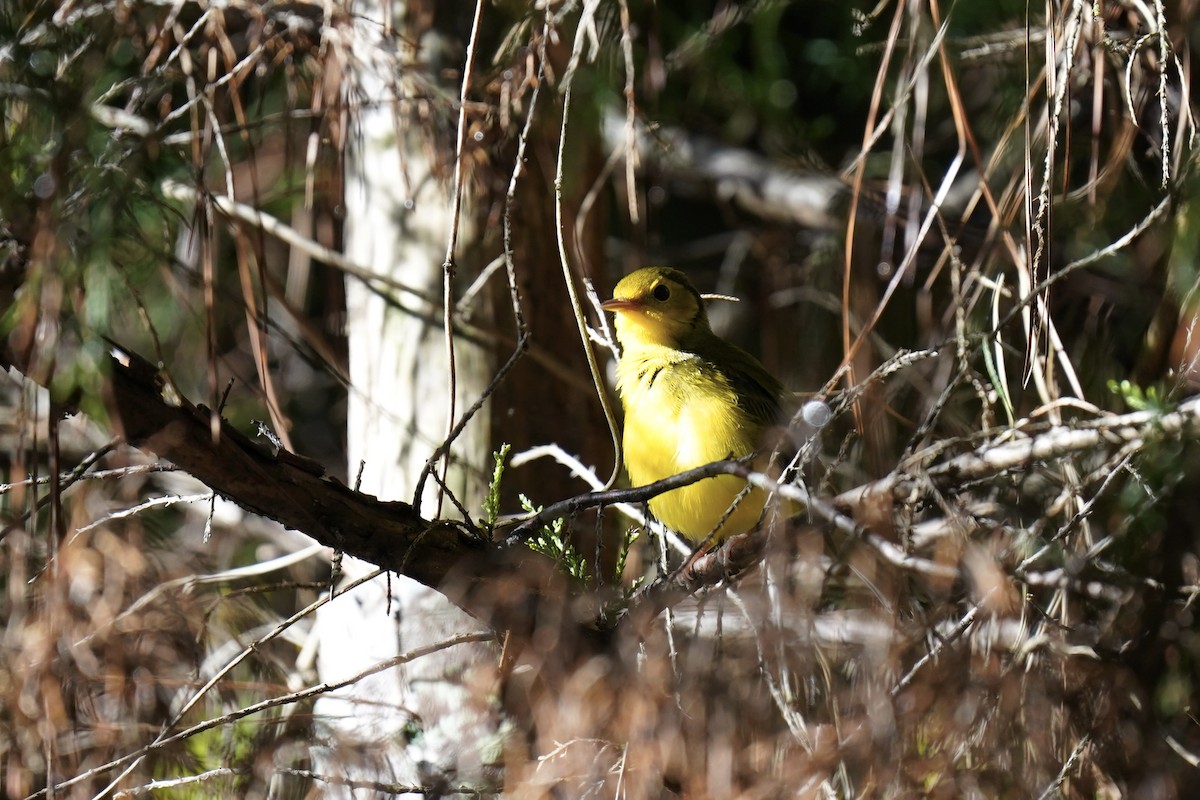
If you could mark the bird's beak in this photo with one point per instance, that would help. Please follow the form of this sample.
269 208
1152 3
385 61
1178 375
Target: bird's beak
620 304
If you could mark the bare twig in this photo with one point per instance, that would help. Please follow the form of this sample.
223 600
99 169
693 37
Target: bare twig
1067 768
448 266
285 233
590 8
175 783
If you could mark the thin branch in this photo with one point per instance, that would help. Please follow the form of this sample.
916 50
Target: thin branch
449 266
132 511
955 633
1067 768
100 474
1112 248
739 468
573 505
587 17
175 783
175 190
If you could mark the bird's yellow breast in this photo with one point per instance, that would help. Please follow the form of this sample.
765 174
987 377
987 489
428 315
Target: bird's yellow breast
682 413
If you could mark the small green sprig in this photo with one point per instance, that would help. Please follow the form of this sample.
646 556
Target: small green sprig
552 541
631 536
491 503
1137 398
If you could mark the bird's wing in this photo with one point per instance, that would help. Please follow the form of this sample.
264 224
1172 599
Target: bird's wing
759 393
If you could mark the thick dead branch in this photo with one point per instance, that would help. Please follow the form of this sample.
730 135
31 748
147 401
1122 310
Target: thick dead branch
295 492
289 489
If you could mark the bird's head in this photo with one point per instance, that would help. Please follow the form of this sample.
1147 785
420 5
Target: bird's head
657 306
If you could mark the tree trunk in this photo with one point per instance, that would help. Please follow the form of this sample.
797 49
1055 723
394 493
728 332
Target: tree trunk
430 722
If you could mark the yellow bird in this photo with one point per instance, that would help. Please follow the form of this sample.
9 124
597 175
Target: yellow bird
690 398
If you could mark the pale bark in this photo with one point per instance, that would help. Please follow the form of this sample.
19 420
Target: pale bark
429 722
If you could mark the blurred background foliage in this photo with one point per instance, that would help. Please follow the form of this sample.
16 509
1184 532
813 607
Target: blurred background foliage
111 619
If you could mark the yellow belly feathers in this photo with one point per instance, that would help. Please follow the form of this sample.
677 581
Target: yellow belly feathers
678 418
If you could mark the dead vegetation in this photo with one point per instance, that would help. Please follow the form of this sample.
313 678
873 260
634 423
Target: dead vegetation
990 590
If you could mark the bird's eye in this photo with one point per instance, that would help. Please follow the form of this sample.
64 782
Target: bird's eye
662 292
